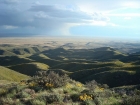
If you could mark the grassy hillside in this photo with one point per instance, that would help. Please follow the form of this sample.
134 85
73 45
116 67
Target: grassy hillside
6 53
12 60
9 50
115 78
11 75
42 58
26 50
101 64
29 69
76 66
117 74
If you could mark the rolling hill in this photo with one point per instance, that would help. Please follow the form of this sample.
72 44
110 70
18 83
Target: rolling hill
10 50
104 64
6 53
29 69
11 75
12 60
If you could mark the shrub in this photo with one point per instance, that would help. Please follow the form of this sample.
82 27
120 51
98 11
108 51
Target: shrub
51 98
75 97
92 85
105 86
79 84
49 85
88 102
97 101
23 94
132 100
85 97
3 91
106 93
37 102
137 92
6 101
48 79
29 91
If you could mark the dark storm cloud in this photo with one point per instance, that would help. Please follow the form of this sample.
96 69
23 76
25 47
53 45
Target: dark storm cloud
11 17
40 16
60 13
37 18
9 1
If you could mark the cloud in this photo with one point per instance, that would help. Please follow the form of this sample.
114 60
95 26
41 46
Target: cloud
12 17
10 27
107 5
49 17
53 11
126 14
45 18
9 1
127 18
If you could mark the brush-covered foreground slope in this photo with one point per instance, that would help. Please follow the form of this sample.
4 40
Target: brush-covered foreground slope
50 88
11 75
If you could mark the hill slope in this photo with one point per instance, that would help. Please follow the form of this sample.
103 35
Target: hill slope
102 64
9 50
29 68
6 53
8 74
12 60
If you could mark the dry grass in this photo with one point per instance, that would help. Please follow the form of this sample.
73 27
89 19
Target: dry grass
8 74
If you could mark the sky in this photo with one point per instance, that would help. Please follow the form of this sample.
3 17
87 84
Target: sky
82 18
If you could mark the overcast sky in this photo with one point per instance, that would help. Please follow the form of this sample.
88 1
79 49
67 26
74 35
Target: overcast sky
94 18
